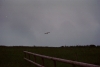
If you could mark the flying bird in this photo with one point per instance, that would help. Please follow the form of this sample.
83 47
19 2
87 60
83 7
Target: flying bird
46 32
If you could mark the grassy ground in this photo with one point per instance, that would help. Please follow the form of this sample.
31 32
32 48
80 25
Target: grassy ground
13 56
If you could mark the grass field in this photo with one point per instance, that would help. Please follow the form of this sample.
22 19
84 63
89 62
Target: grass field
13 56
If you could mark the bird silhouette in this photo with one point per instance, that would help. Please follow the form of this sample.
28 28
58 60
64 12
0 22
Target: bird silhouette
46 32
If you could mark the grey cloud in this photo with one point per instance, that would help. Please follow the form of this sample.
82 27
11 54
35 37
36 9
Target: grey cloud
71 22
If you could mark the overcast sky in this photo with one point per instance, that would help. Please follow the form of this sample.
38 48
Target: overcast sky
70 22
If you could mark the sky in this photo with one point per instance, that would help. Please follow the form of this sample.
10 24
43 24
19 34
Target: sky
70 22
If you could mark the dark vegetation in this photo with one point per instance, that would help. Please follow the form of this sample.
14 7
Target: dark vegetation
12 56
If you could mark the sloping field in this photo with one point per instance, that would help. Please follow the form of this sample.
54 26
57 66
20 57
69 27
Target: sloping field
13 56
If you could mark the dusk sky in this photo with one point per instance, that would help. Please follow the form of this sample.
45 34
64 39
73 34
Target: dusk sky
70 22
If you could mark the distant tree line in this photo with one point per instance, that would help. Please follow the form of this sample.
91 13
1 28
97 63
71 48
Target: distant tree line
91 45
